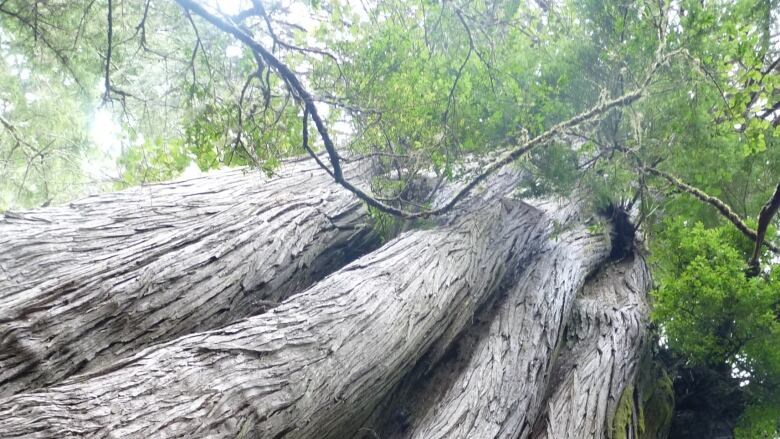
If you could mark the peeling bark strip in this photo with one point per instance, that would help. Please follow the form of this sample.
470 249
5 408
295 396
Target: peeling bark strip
598 364
313 367
495 385
84 284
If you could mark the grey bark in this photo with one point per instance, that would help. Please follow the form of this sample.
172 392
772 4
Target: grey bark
315 366
498 277
85 284
597 367
494 384
518 374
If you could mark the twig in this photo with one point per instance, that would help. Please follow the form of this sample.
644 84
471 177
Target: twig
198 43
107 93
306 143
258 6
460 70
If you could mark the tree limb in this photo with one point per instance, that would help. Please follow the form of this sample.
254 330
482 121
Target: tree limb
302 95
764 217
722 207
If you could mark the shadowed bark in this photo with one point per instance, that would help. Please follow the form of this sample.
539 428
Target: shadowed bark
101 278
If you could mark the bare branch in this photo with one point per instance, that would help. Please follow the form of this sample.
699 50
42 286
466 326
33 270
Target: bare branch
258 6
82 23
14 133
446 114
107 93
306 142
198 43
240 123
141 27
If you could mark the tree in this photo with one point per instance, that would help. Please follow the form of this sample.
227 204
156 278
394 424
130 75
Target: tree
492 317
352 335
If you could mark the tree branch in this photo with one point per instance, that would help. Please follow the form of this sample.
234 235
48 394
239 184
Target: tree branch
722 207
198 43
258 7
107 93
14 133
302 95
764 218
40 35
306 143
451 96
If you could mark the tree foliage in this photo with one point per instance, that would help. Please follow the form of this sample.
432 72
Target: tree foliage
712 315
442 89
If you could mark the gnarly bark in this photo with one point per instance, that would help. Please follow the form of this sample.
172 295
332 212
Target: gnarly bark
324 363
99 279
495 384
316 365
593 380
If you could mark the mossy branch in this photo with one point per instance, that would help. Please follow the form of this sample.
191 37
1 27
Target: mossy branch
728 213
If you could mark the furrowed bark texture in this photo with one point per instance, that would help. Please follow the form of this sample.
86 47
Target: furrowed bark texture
594 377
495 382
99 279
315 366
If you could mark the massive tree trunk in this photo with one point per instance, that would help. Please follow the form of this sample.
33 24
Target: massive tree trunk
593 379
514 375
494 382
505 319
315 364
99 279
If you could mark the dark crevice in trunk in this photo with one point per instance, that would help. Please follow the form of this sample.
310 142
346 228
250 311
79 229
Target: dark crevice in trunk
623 232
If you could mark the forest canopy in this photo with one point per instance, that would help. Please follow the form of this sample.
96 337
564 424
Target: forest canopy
666 110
